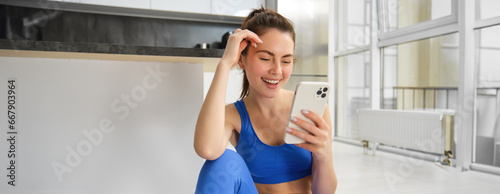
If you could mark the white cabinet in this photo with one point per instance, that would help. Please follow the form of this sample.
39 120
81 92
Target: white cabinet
140 4
190 6
121 128
234 7
69 1
214 7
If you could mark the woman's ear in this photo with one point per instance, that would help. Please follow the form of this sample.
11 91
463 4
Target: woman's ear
240 62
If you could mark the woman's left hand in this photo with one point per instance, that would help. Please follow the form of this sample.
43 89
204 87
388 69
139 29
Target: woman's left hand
318 140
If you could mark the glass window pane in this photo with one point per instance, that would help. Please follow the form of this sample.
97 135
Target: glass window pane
488 98
389 77
487 8
403 13
353 24
421 74
353 92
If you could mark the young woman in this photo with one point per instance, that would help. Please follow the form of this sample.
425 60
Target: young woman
256 124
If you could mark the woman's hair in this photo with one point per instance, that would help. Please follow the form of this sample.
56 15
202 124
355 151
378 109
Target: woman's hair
260 21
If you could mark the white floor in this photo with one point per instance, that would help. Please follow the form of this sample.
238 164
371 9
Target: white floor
387 173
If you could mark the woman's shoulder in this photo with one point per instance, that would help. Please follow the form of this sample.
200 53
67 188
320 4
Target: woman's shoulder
231 108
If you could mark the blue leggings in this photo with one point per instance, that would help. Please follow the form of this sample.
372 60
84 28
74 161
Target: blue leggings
226 174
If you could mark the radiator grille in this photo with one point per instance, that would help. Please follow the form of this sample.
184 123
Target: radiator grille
416 130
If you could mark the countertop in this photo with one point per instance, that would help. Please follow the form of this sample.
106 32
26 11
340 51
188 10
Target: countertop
106 48
102 51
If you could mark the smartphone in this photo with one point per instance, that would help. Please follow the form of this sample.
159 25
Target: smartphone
312 96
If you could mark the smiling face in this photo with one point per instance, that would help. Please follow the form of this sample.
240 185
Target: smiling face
269 66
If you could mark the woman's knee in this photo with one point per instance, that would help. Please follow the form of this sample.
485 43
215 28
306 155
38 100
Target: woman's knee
223 175
228 164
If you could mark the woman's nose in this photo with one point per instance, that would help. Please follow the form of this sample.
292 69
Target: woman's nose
275 69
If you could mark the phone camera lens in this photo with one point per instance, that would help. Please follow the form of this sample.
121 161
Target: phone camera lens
325 89
323 95
319 92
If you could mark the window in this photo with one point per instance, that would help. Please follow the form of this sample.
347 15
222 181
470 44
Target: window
420 68
421 74
403 13
353 92
487 9
389 77
488 97
353 24
352 64
406 17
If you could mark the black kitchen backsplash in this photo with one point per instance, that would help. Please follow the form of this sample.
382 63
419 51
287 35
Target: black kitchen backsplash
67 26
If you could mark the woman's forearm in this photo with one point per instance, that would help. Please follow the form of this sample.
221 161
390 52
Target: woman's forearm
210 138
324 180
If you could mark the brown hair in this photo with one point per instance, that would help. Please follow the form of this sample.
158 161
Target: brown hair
259 21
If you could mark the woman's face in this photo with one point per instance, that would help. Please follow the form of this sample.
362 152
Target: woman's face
269 66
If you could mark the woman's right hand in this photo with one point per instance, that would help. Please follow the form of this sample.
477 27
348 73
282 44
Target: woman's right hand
236 43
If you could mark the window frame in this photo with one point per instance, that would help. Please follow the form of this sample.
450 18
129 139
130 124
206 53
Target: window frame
463 21
344 52
478 25
337 53
423 30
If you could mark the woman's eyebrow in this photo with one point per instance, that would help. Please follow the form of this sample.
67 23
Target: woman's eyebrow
272 54
266 51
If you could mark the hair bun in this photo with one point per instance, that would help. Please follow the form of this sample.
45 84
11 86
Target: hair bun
255 12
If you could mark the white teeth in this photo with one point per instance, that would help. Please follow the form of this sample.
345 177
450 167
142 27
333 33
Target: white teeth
271 81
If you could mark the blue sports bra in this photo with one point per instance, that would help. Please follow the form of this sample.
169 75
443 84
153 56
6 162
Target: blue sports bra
270 164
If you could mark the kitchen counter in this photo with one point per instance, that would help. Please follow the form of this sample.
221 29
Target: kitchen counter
102 51
104 48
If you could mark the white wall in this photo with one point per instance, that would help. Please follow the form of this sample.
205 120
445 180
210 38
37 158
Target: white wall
234 85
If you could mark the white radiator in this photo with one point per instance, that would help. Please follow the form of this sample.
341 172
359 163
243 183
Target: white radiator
417 130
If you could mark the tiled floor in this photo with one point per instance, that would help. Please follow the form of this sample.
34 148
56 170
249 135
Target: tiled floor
388 173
